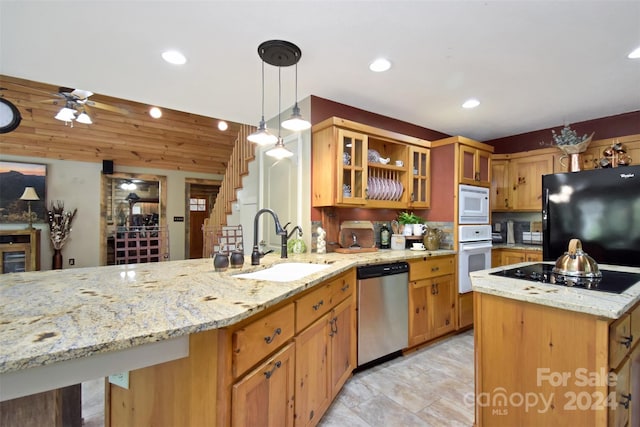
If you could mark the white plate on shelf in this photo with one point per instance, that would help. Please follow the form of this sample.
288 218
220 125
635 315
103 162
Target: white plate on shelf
418 249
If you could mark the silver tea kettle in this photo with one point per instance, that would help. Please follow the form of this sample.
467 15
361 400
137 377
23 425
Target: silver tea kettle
576 263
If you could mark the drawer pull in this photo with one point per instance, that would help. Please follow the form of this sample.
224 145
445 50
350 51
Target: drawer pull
318 305
627 341
344 288
627 399
270 339
434 269
275 366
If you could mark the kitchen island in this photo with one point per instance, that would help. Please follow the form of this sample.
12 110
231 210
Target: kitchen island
553 355
158 320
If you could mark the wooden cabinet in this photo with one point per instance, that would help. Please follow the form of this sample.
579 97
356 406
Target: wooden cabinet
500 257
265 396
500 194
346 171
19 250
518 181
475 166
432 298
420 180
580 363
326 350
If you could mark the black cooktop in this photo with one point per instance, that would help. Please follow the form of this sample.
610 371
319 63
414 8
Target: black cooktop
612 281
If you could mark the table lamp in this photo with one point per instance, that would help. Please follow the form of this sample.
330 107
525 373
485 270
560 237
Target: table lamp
29 195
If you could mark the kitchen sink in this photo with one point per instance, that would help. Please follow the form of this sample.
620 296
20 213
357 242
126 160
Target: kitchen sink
284 272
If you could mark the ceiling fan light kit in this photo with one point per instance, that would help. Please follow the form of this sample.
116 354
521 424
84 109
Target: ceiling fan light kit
279 53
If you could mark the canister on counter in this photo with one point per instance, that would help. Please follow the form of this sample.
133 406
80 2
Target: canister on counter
398 242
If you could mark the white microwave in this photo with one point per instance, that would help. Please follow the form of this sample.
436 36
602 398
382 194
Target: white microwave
473 205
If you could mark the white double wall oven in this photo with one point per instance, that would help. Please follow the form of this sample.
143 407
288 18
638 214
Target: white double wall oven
474 233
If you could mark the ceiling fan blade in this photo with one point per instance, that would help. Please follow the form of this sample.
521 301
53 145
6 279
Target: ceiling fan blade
81 93
107 107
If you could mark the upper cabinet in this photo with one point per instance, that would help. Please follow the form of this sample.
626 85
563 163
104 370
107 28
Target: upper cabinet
359 165
475 166
516 182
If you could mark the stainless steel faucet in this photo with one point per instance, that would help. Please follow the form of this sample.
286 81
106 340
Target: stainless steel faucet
280 231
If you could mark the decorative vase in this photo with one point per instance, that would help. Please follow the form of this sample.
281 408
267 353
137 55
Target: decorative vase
56 262
573 153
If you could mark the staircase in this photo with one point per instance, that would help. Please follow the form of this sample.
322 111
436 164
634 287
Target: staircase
237 167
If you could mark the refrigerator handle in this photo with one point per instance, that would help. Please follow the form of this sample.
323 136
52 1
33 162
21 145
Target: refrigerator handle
545 208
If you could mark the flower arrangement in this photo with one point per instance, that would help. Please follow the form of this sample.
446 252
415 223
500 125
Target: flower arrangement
569 141
59 224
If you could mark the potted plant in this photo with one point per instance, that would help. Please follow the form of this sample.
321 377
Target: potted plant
571 145
408 218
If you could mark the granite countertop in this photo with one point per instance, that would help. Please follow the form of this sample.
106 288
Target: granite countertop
603 304
52 316
521 246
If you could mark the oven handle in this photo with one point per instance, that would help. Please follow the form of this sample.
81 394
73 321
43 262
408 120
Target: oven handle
472 246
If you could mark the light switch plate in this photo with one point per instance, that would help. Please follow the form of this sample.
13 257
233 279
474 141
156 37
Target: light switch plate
121 379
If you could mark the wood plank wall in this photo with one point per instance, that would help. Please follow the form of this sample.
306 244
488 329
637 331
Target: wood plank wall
176 141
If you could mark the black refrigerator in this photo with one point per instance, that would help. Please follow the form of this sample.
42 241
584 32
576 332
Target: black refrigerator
601 207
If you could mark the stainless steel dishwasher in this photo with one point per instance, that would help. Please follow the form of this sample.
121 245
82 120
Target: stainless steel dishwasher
383 312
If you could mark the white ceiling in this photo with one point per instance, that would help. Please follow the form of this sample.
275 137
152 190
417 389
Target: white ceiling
532 64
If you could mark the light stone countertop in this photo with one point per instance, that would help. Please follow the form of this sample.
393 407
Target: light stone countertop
519 246
603 304
52 316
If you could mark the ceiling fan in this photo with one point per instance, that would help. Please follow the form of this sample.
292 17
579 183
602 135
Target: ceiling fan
76 105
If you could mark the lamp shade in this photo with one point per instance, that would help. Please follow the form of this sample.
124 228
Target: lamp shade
296 122
279 151
29 194
66 114
262 136
84 118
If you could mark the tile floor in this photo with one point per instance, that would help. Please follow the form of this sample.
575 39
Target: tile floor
429 387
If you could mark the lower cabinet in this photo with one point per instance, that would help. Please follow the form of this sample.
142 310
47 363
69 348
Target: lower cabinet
500 257
432 299
324 362
265 396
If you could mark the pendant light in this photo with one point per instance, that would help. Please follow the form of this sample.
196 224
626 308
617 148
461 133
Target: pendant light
296 122
279 151
84 118
262 136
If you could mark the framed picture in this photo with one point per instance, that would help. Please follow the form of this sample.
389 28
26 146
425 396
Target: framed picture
14 178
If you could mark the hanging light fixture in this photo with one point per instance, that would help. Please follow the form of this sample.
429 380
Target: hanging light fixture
296 122
262 136
279 151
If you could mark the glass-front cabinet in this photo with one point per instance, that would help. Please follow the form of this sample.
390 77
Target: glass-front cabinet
352 188
19 250
420 189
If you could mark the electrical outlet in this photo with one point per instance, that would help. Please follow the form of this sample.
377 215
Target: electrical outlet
72 261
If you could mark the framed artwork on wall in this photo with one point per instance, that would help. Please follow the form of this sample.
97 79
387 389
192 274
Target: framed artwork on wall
14 178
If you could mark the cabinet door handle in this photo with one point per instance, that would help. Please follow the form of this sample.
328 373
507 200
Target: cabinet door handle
626 341
626 401
270 339
333 323
345 287
433 289
477 176
275 366
317 306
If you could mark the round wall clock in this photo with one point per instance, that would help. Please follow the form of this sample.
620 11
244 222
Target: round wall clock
9 116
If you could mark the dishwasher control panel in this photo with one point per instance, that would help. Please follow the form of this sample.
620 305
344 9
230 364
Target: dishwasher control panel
378 270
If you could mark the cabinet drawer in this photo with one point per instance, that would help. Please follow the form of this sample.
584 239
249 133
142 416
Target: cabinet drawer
312 306
620 340
258 339
430 267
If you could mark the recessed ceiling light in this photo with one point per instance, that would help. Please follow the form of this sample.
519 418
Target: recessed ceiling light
635 54
222 125
174 57
155 112
471 103
380 65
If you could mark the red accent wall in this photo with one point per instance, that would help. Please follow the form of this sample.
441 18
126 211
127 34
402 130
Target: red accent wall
443 184
606 127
